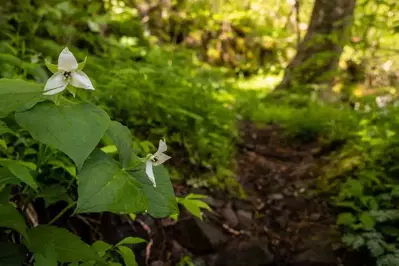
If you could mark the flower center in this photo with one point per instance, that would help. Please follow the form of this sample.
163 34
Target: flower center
67 74
154 159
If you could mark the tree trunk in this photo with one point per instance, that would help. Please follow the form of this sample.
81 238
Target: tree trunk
318 54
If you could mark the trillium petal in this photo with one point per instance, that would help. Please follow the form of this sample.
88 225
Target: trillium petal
80 80
67 61
162 147
161 158
150 173
55 84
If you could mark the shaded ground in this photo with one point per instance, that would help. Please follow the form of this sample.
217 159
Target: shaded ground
279 223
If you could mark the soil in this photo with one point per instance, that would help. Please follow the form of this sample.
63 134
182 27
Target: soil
283 220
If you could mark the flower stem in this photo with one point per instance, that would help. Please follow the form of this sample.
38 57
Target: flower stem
62 213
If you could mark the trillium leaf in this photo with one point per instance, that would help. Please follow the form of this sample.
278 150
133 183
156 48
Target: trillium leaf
11 218
104 186
57 243
74 129
18 95
40 260
19 171
161 199
122 138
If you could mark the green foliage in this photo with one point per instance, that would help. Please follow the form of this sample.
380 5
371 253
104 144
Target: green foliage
74 129
367 192
194 204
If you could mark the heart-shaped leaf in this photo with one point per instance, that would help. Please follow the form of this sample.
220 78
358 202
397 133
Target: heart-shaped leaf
59 244
161 199
104 186
122 138
74 129
18 94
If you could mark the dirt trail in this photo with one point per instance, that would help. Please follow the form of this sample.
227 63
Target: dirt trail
279 223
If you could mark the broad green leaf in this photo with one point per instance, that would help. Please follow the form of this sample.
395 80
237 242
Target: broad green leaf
18 95
43 261
104 186
122 138
131 240
74 129
11 254
6 177
101 247
51 241
4 129
128 256
19 171
193 204
367 220
11 218
346 218
5 194
161 199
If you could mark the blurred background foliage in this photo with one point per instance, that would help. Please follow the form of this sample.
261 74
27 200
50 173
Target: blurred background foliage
192 70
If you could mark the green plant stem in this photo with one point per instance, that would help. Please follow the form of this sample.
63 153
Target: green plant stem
62 212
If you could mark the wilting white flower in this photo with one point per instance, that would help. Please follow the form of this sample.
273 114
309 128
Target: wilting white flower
156 159
68 73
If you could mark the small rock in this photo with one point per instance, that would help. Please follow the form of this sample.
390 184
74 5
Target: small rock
245 218
157 263
276 196
177 250
253 253
315 257
283 220
230 216
215 203
208 237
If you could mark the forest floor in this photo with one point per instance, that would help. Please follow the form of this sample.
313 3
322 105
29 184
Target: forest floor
282 221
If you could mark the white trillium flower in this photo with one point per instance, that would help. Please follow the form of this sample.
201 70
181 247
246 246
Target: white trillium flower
156 159
68 73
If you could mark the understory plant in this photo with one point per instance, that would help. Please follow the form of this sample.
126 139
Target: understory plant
368 197
65 150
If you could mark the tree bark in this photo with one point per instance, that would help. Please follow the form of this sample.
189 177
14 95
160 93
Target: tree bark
318 54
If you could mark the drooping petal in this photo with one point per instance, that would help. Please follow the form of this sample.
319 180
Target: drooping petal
80 80
55 84
150 173
67 61
162 147
161 158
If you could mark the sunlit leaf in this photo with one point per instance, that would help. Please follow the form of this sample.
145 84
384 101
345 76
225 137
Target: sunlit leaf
74 129
18 95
